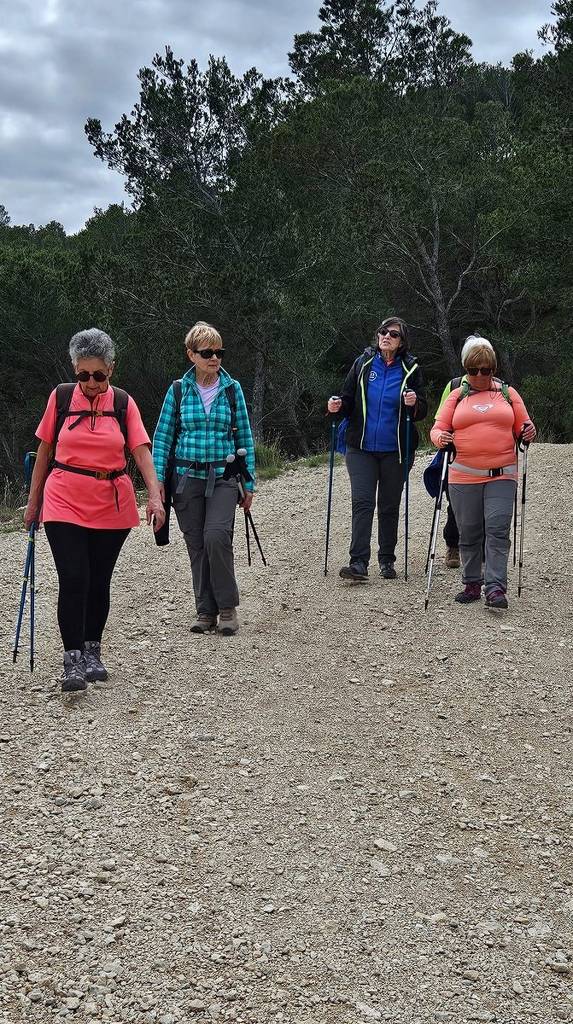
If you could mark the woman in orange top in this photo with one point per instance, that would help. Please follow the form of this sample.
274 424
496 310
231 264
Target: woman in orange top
483 421
82 494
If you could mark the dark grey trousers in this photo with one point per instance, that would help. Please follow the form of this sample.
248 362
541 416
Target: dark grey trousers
478 506
207 526
375 478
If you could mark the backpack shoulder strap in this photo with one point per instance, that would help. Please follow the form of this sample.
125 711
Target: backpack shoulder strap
505 392
465 389
177 392
232 400
176 385
120 402
64 394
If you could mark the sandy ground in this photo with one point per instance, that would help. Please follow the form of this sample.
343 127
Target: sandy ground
351 811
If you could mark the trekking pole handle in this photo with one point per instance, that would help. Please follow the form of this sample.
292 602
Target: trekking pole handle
520 442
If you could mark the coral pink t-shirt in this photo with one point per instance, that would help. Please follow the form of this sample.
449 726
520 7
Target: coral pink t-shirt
485 426
96 443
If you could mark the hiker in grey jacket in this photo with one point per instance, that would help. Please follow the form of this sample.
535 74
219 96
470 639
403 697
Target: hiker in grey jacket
383 388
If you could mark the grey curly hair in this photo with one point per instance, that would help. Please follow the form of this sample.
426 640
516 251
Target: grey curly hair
92 344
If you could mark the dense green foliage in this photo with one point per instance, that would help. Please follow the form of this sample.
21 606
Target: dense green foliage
391 174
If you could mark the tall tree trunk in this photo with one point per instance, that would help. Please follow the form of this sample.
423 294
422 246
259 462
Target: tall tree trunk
259 388
445 335
433 288
292 420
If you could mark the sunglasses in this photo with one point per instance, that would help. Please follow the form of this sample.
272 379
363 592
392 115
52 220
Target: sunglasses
393 334
208 353
99 376
485 371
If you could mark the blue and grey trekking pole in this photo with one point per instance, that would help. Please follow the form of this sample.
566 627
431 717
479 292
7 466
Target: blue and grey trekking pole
407 483
330 487
29 575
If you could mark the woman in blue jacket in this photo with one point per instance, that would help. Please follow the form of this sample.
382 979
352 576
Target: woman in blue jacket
383 388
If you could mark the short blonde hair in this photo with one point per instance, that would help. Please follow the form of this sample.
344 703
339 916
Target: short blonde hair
202 334
480 354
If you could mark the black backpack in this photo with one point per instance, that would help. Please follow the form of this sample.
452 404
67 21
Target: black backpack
64 394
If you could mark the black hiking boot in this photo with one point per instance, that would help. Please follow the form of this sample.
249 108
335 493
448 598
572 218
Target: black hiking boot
74 674
496 599
355 571
95 669
387 570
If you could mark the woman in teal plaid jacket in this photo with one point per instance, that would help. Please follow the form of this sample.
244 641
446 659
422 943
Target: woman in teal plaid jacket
212 425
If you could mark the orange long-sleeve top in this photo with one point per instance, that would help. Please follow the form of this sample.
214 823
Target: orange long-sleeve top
485 426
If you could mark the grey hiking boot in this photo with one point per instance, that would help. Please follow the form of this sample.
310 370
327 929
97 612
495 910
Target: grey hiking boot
95 669
74 674
203 623
228 621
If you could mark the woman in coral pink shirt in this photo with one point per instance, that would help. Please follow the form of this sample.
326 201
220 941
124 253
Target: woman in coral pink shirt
483 421
82 494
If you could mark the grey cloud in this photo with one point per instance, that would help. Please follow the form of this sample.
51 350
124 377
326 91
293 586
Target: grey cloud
62 61
498 28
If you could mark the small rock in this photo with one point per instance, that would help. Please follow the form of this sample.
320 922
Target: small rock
381 869
383 844
517 988
368 1011
559 966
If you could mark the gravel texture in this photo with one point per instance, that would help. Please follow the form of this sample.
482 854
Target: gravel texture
350 812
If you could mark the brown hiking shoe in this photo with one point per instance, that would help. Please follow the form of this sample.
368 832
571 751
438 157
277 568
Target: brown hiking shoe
452 559
203 623
228 621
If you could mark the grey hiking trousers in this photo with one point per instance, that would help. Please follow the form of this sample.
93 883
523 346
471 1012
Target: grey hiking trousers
207 526
375 477
477 507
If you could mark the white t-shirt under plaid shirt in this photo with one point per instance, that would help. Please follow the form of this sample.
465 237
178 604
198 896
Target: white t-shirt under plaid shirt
208 393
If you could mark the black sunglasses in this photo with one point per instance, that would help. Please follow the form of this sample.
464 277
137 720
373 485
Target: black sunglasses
208 353
98 376
393 334
485 371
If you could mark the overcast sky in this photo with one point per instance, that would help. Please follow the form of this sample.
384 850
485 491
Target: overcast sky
62 61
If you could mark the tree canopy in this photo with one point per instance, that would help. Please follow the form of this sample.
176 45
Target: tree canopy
391 173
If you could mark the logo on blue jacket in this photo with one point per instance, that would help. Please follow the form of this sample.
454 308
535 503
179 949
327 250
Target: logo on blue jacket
373 375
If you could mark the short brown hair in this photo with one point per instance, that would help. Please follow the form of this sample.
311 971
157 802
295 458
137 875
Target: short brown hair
202 334
403 327
481 354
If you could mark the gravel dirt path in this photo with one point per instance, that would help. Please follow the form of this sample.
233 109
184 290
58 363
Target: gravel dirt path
349 812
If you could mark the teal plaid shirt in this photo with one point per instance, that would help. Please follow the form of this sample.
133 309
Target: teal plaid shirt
203 438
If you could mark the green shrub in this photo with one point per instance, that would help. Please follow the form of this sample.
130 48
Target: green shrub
269 460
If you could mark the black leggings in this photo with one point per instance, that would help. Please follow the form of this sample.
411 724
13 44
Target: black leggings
85 560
